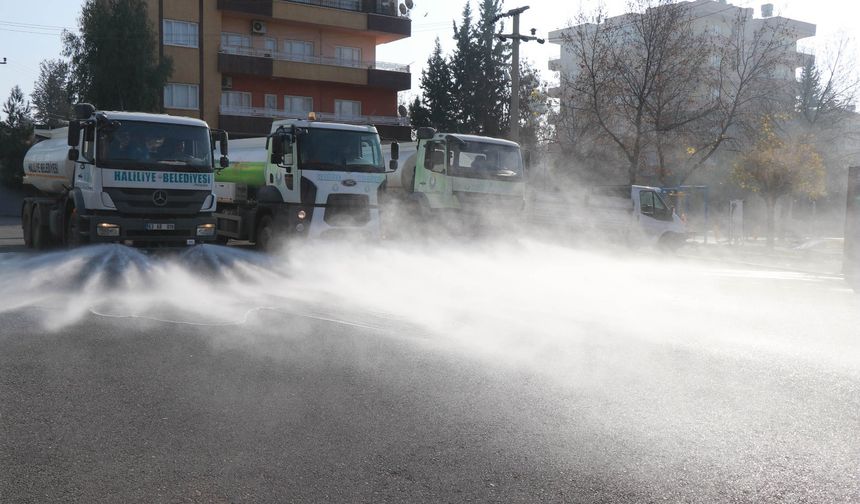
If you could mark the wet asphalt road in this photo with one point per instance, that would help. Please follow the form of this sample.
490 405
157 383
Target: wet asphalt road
322 409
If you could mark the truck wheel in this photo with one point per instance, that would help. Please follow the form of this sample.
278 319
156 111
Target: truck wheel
73 235
40 233
27 225
265 233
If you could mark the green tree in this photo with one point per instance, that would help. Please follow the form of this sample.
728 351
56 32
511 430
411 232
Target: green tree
52 94
777 166
438 91
115 62
419 115
466 72
15 133
492 84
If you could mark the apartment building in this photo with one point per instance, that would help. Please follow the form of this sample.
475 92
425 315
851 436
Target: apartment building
239 64
715 19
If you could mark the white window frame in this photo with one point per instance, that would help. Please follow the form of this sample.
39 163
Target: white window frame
227 39
244 97
269 45
303 55
347 55
174 92
180 33
274 99
340 104
290 99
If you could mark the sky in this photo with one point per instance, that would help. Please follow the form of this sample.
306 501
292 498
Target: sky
31 31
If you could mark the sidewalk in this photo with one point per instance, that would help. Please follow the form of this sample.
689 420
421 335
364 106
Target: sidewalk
822 256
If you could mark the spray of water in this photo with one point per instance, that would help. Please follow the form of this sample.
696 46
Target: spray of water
642 339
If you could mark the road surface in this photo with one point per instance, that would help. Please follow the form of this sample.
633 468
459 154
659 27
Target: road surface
524 373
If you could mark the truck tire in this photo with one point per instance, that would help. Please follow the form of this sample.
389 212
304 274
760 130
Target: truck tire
27 225
41 235
265 233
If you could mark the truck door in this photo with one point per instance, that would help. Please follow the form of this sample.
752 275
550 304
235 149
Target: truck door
654 217
284 177
431 174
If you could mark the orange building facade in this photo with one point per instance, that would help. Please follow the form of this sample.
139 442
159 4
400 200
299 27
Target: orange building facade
239 64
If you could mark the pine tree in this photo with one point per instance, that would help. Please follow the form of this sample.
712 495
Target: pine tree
15 133
438 90
418 114
115 62
493 85
466 71
809 94
52 94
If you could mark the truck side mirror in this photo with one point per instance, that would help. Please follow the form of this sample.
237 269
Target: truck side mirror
528 159
224 141
395 151
74 133
425 133
392 166
224 162
73 154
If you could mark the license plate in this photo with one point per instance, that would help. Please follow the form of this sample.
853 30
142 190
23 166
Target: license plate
160 227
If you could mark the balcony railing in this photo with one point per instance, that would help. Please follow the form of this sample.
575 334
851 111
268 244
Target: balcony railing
321 116
383 7
318 60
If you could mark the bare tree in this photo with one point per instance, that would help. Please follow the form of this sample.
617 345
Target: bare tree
669 86
635 75
755 77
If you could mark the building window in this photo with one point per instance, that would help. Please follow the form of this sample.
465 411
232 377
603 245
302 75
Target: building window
299 50
716 60
235 41
299 105
272 102
235 99
180 33
347 108
348 55
270 46
181 96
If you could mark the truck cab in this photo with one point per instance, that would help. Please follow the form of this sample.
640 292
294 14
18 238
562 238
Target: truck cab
133 178
307 178
467 175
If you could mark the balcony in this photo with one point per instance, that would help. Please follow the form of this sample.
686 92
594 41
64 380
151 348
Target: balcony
245 121
270 114
378 16
250 61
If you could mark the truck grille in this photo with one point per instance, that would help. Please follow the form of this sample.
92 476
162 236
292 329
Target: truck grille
347 210
141 201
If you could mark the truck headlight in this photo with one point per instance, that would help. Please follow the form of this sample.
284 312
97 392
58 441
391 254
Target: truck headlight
107 229
302 214
206 230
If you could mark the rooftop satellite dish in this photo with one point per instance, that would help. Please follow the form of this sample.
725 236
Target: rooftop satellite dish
403 9
409 4
402 111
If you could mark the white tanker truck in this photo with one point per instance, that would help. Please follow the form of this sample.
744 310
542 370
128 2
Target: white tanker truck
133 178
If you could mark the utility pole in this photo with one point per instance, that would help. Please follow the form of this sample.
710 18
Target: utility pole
516 37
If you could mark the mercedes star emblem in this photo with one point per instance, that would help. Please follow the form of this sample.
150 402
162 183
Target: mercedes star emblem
159 198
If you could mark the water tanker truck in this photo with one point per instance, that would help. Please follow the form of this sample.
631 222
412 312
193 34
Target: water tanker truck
452 177
306 179
133 178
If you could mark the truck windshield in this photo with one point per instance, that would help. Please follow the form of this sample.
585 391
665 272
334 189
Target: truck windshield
338 150
486 161
155 146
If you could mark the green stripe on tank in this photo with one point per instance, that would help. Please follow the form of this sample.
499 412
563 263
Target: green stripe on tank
250 173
